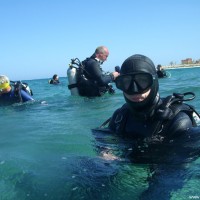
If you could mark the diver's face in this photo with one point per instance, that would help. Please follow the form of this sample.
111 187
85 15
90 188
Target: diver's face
137 97
5 90
103 55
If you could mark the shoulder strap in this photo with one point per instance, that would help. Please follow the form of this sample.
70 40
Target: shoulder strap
80 66
172 105
120 119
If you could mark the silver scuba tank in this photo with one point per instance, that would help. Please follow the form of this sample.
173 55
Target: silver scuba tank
72 79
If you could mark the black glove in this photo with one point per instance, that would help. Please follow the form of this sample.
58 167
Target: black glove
117 69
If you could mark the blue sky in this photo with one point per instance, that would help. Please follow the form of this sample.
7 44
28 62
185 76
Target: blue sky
39 37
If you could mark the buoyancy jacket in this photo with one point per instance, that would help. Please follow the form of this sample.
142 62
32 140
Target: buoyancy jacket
93 81
19 93
165 122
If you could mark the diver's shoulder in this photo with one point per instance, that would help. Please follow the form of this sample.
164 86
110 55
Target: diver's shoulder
121 110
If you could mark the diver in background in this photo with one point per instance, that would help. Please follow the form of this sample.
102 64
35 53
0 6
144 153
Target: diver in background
96 82
54 80
161 72
19 92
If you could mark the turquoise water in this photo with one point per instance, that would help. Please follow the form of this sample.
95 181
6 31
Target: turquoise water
48 151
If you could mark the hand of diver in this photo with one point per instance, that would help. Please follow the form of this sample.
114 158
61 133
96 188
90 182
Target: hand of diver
109 156
115 74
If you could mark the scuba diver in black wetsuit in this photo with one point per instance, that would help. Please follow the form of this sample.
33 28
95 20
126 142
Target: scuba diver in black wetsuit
146 114
145 117
91 80
151 130
54 80
161 72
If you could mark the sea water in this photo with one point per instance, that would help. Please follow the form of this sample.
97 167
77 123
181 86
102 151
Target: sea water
48 150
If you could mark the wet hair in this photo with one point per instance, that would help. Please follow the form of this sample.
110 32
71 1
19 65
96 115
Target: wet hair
54 76
159 67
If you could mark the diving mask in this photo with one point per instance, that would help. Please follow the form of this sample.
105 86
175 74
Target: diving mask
136 83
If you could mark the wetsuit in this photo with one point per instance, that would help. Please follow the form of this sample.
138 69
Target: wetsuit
55 82
154 138
141 125
161 74
95 82
163 122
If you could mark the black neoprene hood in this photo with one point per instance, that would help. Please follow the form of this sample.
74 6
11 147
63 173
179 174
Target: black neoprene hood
137 64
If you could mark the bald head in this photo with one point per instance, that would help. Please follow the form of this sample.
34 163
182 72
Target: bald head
102 53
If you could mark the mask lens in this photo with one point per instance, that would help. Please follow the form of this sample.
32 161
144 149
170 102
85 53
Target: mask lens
143 81
140 81
123 82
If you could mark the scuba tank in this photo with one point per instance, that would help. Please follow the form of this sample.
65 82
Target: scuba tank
26 88
22 85
72 78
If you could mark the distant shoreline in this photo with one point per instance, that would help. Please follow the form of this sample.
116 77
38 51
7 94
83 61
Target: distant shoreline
181 66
